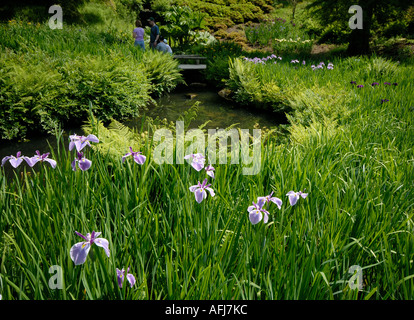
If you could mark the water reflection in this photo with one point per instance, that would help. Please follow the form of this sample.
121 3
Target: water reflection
221 112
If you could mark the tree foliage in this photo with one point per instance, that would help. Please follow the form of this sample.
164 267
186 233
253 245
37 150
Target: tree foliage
375 12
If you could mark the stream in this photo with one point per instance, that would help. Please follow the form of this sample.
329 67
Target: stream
221 112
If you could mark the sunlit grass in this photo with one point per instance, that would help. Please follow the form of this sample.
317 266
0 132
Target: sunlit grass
351 153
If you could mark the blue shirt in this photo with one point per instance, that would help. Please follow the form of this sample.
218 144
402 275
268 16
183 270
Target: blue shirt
154 32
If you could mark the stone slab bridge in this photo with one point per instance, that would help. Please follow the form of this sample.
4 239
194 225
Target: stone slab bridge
194 66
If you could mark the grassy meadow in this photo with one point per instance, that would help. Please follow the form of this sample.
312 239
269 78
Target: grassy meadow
348 145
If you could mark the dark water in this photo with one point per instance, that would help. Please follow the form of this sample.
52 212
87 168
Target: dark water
220 111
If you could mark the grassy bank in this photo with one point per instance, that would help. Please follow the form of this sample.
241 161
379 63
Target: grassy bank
349 147
354 161
50 76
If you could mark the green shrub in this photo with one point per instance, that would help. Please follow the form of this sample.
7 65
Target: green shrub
218 54
317 102
249 88
377 68
335 34
117 87
38 92
229 12
27 88
48 79
162 70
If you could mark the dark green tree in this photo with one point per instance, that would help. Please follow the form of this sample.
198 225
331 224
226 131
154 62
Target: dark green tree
374 13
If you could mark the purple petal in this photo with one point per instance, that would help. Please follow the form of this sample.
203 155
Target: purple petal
82 144
194 188
277 201
31 161
210 173
103 243
200 194
266 216
120 276
260 202
255 216
131 279
52 162
251 208
303 195
212 193
79 252
81 235
125 156
197 165
92 138
140 159
210 170
293 199
96 234
15 162
74 137
203 185
78 145
4 160
85 164
73 165
71 145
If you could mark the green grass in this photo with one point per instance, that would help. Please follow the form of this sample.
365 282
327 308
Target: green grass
49 76
359 211
350 152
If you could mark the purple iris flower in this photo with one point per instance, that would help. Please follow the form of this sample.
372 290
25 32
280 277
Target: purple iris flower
360 86
15 161
256 213
210 170
81 141
138 158
353 82
330 66
84 164
303 62
80 250
121 275
38 157
198 160
384 100
200 190
375 84
269 198
395 84
387 83
294 196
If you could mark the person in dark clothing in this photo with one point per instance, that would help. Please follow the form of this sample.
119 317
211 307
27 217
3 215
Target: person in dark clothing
155 33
